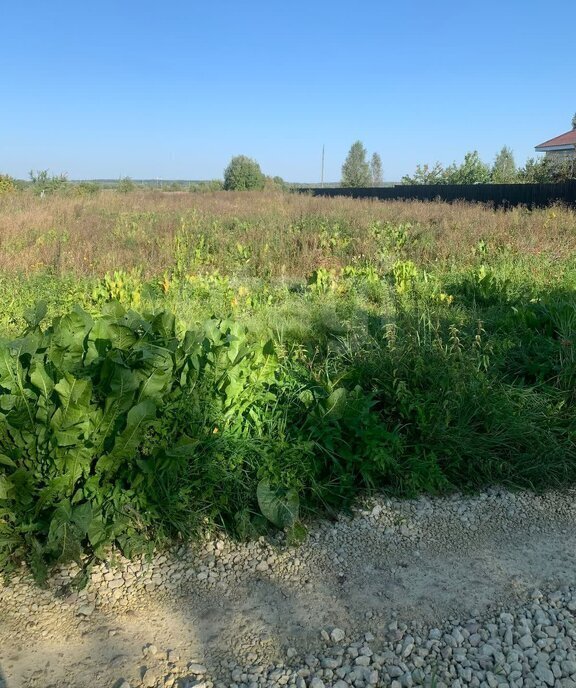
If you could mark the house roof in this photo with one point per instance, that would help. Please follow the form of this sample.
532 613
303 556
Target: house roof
564 141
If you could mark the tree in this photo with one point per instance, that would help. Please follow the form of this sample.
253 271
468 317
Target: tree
243 174
504 168
376 169
471 171
563 170
125 185
535 171
424 174
574 121
356 170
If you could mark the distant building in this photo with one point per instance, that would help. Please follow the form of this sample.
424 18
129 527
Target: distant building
561 148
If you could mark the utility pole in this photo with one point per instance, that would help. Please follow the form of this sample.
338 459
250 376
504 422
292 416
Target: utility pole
322 174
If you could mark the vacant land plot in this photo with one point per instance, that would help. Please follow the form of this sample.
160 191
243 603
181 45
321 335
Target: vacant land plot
179 366
241 361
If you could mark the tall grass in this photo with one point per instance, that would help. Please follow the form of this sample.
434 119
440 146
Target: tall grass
260 234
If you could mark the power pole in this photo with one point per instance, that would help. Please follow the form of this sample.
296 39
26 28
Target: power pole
322 174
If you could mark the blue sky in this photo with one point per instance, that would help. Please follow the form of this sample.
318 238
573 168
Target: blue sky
175 89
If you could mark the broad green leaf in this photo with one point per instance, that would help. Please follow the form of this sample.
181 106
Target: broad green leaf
336 403
128 441
34 316
63 534
68 341
155 372
164 324
97 533
120 382
113 309
7 461
122 337
279 505
40 378
5 487
72 420
82 516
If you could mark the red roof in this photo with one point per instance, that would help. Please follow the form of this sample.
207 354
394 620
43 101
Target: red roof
568 140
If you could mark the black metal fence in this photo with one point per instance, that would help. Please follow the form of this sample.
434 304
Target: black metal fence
499 195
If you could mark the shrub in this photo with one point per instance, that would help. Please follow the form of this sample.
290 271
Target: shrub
98 421
43 183
7 183
115 431
243 174
87 188
125 185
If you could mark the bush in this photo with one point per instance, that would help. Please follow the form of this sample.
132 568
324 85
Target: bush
243 174
99 421
43 183
115 431
125 185
87 188
7 183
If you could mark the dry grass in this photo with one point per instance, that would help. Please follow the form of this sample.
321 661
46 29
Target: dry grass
264 234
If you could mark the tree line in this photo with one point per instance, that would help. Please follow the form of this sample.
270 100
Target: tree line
503 170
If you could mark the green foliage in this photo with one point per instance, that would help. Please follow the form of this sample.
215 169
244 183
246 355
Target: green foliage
243 174
535 171
425 174
124 287
7 184
430 349
471 171
356 170
562 170
114 431
77 402
279 505
87 188
376 169
125 185
504 168
548 170
43 183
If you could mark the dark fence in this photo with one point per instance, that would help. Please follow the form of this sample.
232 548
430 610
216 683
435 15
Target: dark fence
499 195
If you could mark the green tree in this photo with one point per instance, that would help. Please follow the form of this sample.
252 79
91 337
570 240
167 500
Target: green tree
574 121
424 174
535 171
563 170
547 171
376 169
471 171
125 185
243 174
356 170
504 168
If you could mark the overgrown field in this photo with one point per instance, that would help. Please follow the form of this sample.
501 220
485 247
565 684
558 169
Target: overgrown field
173 362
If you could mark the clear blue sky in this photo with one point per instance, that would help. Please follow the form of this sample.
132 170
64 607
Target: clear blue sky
175 89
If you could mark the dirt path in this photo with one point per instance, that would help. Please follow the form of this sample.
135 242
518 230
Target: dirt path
419 562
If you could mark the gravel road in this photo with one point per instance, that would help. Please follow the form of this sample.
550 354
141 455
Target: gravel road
459 591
